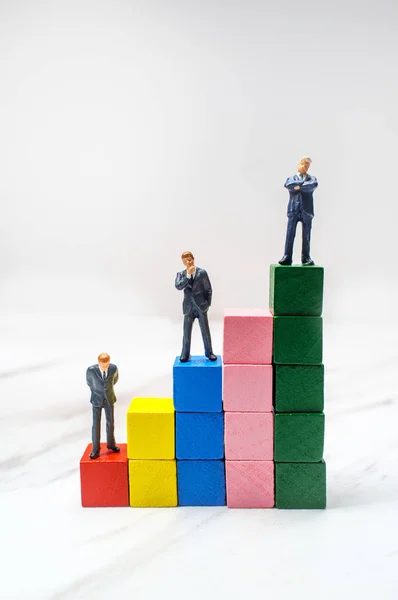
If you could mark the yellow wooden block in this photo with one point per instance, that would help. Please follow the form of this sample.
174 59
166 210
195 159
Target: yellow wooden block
153 483
151 428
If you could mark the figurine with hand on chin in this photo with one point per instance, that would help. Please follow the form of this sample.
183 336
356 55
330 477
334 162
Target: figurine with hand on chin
300 208
100 379
196 285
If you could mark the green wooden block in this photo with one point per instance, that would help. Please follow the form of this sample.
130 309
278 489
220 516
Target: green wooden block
299 437
299 388
298 340
300 485
296 290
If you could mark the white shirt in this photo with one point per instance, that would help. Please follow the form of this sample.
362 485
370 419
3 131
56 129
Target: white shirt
102 372
192 274
302 177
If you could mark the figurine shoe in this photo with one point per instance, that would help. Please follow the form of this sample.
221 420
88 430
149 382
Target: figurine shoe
184 358
285 260
307 262
94 455
114 448
212 357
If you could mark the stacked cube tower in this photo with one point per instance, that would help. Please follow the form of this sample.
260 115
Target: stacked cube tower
151 452
296 301
249 419
197 393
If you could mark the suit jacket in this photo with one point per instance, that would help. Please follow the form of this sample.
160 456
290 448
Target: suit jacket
101 389
197 292
301 200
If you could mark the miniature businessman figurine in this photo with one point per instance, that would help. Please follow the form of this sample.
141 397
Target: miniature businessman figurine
300 208
197 300
100 379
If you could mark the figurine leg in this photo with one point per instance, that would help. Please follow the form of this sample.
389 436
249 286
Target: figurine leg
305 252
206 337
110 425
96 431
292 221
186 341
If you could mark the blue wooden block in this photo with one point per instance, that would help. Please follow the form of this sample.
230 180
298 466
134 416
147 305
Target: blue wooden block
199 435
201 482
197 385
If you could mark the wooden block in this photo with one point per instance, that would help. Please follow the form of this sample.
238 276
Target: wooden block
199 435
247 337
104 481
249 436
299 388
197 385
296 290
151 428
300 485
299 437
247 388
250 484
298 340
201 482
153 483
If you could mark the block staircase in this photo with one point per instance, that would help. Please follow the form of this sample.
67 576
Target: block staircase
246 430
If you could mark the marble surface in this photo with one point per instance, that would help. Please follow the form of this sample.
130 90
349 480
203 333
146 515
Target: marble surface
53 549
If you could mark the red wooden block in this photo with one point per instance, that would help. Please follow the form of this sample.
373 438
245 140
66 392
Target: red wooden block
105 481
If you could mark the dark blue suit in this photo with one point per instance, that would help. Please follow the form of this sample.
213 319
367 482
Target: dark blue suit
102 397
300 208
197 301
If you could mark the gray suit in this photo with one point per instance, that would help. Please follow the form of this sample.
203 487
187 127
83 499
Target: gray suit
197 301
102 397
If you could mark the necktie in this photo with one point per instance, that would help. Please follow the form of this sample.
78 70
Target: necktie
103 375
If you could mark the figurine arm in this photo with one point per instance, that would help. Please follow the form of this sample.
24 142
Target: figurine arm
181 281
310 186
291 183
89 379
116 377
208 288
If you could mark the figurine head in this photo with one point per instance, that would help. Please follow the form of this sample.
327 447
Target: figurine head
188 259
104 361
304 165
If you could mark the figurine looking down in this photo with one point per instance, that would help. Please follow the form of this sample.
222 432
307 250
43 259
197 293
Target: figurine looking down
100 379
300 208
196 285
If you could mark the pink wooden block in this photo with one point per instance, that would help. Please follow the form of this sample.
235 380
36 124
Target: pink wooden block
249 435
247 388
250 484
248 337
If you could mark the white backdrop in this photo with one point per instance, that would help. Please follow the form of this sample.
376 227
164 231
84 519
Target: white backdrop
132 131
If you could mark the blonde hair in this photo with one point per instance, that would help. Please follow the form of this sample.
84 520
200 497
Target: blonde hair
104 358
306 159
